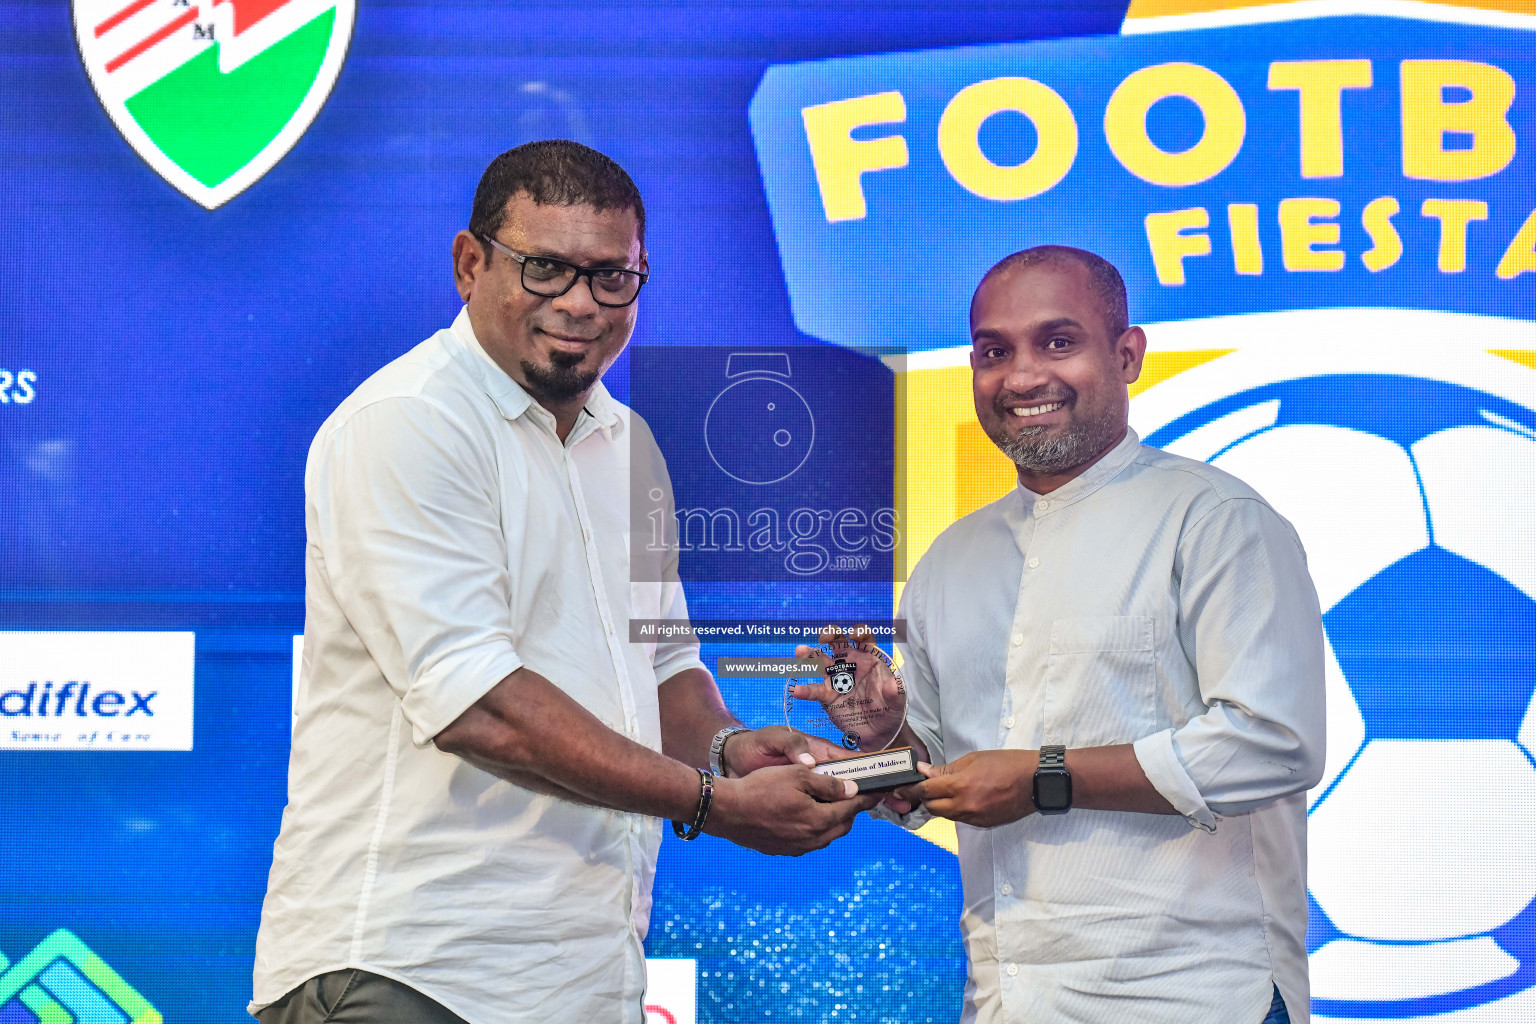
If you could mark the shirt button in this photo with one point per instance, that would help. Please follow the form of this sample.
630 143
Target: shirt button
1013 969
1034 563
1008 724
1006 890
1042 505
1018 639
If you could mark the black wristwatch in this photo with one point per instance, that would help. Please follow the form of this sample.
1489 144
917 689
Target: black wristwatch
1053 783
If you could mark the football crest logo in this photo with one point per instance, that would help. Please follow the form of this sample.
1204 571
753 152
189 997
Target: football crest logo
840 674
213 93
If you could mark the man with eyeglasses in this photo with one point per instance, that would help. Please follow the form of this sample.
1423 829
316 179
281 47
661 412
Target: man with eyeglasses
480 758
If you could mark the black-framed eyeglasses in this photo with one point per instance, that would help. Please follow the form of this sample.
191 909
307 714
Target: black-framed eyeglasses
614 287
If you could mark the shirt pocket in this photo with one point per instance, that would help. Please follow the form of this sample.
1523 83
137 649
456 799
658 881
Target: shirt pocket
1101 680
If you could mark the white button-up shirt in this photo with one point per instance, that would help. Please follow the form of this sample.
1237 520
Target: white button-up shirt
452 538
1157 601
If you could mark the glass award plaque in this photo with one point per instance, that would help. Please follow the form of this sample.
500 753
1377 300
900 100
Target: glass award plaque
860 703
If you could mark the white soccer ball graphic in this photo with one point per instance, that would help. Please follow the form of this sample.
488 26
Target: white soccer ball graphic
1409 470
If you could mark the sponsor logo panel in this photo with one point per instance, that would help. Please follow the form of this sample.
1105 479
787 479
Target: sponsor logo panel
96 691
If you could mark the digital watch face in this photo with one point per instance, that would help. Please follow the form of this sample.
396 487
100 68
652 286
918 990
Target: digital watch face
1053 791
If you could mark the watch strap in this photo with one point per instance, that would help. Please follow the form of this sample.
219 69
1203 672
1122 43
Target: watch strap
1053 758
717 747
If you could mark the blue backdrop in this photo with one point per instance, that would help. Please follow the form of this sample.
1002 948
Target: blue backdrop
166 366
184 358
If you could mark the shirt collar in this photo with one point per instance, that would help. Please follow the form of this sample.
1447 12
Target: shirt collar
1086 482
508 394
603 407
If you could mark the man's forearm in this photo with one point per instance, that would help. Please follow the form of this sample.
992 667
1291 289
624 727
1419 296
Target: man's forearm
987 788
528 780
908 738
1112 779
530 732
692 711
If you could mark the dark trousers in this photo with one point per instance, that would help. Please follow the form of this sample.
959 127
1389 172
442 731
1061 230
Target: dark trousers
1278 1014
356 997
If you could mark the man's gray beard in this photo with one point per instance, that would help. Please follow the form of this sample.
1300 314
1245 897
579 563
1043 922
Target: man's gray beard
1035 450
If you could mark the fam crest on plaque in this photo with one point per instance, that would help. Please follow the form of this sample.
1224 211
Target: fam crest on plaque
861 703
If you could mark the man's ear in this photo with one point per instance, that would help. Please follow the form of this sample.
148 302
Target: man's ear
1131 347
469 259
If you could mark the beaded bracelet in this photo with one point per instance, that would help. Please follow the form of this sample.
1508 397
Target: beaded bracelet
706 796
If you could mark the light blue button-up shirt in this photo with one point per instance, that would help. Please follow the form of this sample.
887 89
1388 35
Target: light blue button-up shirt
1157 601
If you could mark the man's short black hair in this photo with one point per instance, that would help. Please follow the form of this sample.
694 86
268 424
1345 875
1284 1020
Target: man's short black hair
1104 281
554 172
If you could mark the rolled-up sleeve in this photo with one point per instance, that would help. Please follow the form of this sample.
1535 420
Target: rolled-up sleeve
1249 622
677 655
407 521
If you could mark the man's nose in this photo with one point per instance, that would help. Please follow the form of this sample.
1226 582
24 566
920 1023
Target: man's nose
1025 372
578 299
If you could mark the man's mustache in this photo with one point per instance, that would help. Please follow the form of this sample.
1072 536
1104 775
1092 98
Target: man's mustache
1035 396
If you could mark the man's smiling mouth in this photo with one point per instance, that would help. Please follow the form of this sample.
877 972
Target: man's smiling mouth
1036 410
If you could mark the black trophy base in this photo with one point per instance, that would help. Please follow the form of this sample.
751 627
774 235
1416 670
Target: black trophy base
874 773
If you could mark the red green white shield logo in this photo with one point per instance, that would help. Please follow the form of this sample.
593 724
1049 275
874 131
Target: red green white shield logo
213 93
